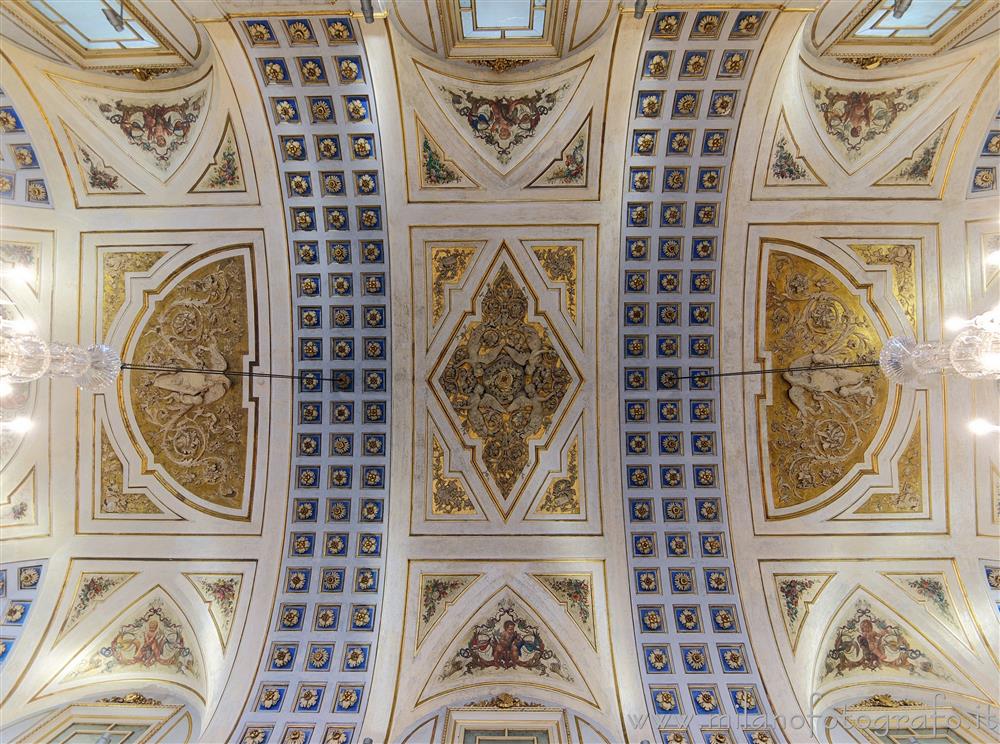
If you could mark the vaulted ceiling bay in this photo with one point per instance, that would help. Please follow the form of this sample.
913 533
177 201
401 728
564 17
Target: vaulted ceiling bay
422 305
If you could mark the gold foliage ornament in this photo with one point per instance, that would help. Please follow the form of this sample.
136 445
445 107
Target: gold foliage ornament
505 380
821 421
195 423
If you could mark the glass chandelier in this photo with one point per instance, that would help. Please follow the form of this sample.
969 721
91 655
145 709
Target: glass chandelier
974 353
25 357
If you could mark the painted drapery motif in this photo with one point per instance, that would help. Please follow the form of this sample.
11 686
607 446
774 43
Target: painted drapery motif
868 642
158 129
153 641
504 122
857 118
194 422
506 640
821 421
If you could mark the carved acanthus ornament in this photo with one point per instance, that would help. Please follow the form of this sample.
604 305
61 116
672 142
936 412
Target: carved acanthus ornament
500 65
873 61
909 498
448 496
504 701
563 494
116 267
902 259
884 700
820 422
131 698
114 498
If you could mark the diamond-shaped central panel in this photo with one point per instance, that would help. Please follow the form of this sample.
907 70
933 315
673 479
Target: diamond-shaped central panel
505 379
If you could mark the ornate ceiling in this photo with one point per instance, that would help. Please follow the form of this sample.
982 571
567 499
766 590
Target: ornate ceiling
501 250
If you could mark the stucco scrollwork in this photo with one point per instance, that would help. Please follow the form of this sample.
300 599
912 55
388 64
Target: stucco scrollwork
822 420
194 422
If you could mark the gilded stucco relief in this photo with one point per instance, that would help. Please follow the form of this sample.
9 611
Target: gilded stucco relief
449 264
113 497
449 491
505 381
818 425
909 497
117 265
561 496
505 321
901 258
196 425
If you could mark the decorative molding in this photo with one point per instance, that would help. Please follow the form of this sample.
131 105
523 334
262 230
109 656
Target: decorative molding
500 65
504 701
131 698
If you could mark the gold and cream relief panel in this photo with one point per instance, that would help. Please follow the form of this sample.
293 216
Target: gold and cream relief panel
837 446
503 328
175 449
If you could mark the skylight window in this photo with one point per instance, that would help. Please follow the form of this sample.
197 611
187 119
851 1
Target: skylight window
922 20
503 19
84 22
